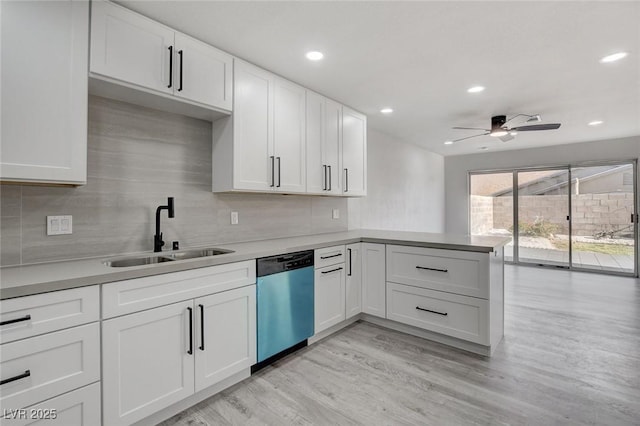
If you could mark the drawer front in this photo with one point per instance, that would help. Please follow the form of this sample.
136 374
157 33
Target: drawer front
459 272
458 316
125 297
49 365
29 316
80 407
329 256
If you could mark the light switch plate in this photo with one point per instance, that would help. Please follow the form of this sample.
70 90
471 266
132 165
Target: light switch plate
59 225
336 213
234 218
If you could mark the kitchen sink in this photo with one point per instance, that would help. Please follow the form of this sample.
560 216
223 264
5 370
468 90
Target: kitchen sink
168 257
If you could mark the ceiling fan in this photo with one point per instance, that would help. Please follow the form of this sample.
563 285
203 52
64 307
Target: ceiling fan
501 130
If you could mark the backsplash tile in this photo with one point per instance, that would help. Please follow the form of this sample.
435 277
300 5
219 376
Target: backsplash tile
137 157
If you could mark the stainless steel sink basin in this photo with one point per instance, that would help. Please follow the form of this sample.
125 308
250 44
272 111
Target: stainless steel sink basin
165 257
193 254
137 261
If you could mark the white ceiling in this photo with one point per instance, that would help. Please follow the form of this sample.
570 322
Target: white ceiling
419 58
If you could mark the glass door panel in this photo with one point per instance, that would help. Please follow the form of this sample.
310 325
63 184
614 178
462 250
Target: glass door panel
602 205
491 206
543 217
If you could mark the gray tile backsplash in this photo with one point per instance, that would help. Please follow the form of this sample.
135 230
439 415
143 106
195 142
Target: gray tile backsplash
137 157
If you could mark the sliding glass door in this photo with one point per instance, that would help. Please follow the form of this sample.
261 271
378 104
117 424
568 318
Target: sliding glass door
542 218
577 217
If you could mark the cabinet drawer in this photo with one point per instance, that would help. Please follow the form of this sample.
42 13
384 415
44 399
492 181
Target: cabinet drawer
458 316
124 297
49 365
328 256
80 407
459 272
29 316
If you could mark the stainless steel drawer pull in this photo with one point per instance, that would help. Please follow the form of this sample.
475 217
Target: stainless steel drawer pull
13 321
432 269
333 270
329 257
433 312
18 377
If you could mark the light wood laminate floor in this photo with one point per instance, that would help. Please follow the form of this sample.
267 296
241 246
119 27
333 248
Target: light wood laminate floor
570 356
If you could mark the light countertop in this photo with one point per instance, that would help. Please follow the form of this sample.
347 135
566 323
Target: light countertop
26 280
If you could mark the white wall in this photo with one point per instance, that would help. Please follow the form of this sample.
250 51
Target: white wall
457 168
405 188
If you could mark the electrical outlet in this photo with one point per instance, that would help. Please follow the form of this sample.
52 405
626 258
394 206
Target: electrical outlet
234 218
59 225
336 213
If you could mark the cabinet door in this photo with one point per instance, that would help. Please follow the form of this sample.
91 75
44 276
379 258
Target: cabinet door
332 146
130 47
354 152
353 297
146 364
289 136
317 180
44 91
203 73
329 292
225 335
373 279
253 157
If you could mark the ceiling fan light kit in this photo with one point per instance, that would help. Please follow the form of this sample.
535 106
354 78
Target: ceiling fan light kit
500 128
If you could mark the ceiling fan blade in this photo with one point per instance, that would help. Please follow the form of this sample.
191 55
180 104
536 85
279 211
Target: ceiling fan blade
469 137
469 128
506 138
546 126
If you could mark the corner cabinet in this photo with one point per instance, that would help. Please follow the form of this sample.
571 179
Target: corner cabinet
132 50
354 153
262 147
44 91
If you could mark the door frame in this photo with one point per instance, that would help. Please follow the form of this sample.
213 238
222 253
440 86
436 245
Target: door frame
514 171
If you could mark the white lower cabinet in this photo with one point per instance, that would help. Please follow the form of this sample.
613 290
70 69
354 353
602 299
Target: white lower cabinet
329 304
373 279
353 296
155 358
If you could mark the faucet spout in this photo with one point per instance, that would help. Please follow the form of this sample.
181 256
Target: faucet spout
157 238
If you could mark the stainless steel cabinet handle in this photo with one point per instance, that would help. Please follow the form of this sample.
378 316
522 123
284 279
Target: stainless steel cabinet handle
180 53
324 177
15 320
279 171
329 257
332 270
432 269
190 351
350 265
346 180
201 327
433 312
273 171
18 377
170 66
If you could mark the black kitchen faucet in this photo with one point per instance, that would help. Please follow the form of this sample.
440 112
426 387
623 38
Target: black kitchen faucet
157 238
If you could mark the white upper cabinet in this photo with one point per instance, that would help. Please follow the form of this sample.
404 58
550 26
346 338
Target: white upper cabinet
130 47
354 153
289 137
44 91
133 50
203 72
324 145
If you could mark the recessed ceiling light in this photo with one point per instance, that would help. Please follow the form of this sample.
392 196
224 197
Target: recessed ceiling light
448 143
614 57
596 123
314 55
386 110
475 89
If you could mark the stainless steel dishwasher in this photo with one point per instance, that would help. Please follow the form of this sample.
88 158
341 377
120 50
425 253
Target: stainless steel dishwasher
285 300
